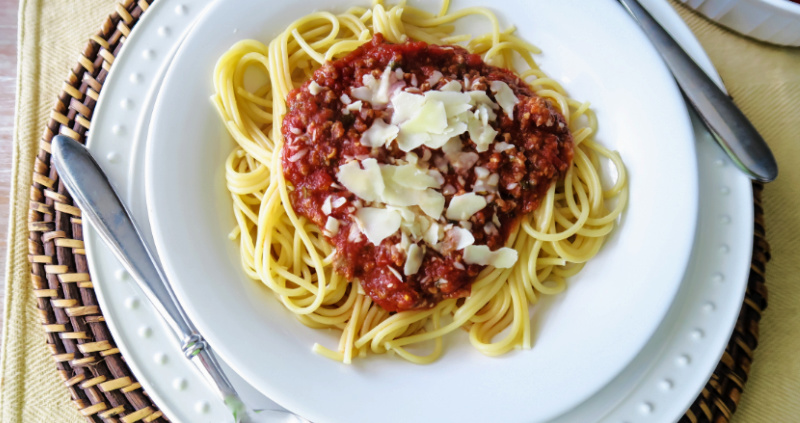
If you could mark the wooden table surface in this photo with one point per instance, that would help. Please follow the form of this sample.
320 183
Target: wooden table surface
8 72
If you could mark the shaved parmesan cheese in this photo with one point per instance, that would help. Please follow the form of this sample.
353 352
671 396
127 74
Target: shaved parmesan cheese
411 176
403 194
408 141
332 226
505 97
436 117
485 181
405 213
404 242
426 155
437 176
395 273
478 98
345 99
432 203
432 235
297 156
382 93
397 195
396 187
462 207
481 186
416 193
362 93
451 86
411 158
379 134
355 234
455 102
355 107
411 229
461 237
424 222
377 224
434 78
465 161
405 106
413 260
366 183
454 129
502 146
326 205
503 258
459 160
376 91
484 113
431 118
314 88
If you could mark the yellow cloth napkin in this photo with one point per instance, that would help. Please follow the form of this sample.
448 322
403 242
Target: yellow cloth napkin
764 80
52 35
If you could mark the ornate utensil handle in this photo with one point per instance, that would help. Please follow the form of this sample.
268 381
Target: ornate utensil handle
101 207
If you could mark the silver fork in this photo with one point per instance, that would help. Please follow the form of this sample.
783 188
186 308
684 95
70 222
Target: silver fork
729 126
101 206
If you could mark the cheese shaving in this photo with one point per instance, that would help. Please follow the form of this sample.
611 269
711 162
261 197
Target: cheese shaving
462 207
332 226
314 88
413 260
505 97
503 258
377 224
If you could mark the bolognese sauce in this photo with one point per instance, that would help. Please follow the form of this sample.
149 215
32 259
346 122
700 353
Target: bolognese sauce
345 123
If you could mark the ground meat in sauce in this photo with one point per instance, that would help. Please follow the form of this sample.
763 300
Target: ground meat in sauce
320 134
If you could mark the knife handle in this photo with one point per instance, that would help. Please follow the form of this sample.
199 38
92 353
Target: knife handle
102 207
730 127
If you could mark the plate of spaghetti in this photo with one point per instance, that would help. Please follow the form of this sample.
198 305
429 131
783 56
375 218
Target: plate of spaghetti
374 211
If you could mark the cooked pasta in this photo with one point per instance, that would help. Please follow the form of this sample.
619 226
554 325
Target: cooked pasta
291 255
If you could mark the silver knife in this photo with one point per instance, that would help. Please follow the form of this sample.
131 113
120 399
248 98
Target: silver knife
101 206
729 126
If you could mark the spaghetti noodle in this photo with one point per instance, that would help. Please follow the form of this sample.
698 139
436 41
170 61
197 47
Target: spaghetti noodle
291 255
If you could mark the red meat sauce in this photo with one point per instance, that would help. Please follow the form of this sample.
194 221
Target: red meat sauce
320 135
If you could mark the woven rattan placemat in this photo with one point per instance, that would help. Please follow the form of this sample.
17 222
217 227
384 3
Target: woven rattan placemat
101 384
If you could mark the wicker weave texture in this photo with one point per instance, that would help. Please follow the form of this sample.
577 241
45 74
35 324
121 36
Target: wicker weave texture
718 400
101 384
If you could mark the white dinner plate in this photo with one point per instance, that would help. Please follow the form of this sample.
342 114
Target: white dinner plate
658 385
583 338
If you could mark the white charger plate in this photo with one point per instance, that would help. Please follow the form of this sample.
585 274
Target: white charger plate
142 338
583 338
